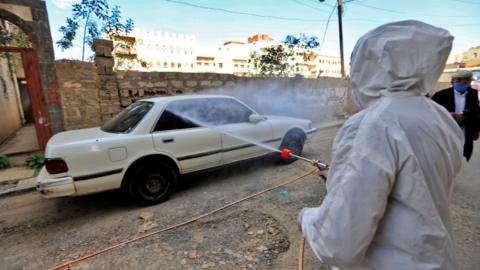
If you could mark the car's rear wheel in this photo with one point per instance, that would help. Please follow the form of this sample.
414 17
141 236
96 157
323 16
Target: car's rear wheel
293 142
152 183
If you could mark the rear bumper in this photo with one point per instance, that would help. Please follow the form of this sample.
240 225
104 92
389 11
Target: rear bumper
64 186
57 187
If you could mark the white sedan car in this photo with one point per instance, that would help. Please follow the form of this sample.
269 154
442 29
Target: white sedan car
151 143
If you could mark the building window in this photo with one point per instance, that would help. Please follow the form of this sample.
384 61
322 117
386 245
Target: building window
179 65
165 65
475 55
172 65
220 65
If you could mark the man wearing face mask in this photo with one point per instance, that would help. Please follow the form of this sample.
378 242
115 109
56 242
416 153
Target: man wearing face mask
462 103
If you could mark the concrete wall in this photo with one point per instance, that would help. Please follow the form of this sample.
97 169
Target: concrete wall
9 105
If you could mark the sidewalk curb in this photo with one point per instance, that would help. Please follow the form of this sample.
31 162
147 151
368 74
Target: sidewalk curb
16 191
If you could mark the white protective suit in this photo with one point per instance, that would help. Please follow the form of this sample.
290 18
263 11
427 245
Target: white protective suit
390 183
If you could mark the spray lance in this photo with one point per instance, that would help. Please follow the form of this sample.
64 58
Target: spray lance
287 153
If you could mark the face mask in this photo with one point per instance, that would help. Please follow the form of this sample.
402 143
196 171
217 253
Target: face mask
461 87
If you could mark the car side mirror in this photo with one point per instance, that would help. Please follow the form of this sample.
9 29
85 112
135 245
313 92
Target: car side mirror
255 118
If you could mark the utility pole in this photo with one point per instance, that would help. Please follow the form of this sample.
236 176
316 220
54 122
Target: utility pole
340 34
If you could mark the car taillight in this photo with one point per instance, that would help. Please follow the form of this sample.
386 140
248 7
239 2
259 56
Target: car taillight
55 165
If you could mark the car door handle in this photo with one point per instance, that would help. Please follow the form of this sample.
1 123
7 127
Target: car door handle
168 139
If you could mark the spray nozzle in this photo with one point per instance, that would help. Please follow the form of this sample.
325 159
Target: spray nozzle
287 153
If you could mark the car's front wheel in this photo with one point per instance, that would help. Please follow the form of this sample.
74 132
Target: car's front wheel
293 142
152 183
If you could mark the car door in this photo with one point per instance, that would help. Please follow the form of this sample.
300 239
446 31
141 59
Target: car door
239 135
195 147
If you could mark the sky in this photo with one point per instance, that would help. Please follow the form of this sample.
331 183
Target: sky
236 20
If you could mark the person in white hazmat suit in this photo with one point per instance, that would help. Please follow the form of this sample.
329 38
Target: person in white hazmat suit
390 182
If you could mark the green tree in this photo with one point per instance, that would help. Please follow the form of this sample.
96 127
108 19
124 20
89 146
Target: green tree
273 60
96 18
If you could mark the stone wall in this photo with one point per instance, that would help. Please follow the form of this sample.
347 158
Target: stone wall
89 97
139 85
308 98
107 84
79 94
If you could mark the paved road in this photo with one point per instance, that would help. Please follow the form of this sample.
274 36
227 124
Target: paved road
261 233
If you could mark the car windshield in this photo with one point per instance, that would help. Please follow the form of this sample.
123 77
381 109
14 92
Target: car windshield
128 119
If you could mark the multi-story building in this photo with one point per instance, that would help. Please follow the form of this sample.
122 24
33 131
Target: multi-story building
328 66
171 52
160 51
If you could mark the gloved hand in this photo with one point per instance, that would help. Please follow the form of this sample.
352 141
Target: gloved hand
300 217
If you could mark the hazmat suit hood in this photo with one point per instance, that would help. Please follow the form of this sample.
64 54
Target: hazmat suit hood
398 59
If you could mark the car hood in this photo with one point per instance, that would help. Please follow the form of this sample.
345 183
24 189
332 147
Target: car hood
79 136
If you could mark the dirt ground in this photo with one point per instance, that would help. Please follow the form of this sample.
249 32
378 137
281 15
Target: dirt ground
260 233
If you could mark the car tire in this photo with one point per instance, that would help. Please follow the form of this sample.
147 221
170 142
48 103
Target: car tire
152 183
294 142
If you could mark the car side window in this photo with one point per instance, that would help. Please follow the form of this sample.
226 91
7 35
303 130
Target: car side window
172 119
230 111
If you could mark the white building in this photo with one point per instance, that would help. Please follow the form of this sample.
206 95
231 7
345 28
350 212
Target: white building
328 66
172 52
164 51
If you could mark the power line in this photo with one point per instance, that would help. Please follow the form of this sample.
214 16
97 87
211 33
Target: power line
413 14
326 27
467 2
377 8
243 13
308 5
363 20
324 3
467 24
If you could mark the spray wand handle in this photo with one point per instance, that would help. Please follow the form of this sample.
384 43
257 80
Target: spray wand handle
320 165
